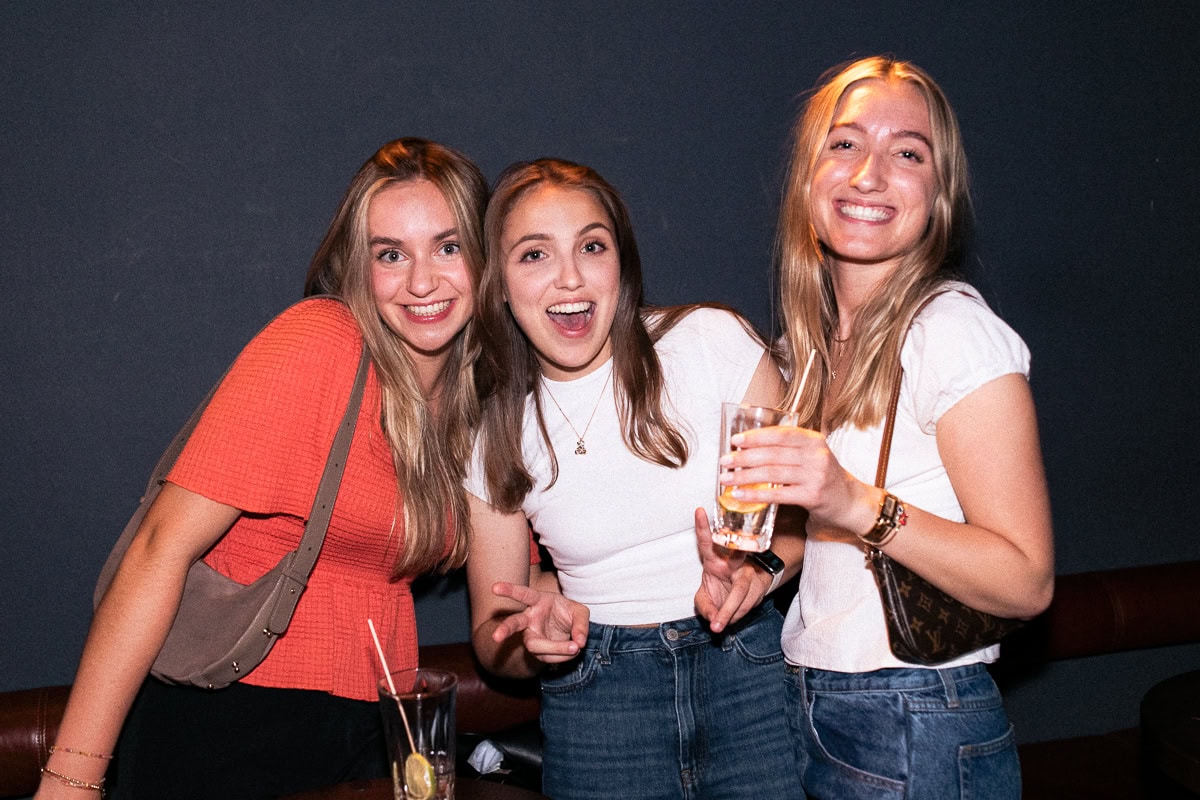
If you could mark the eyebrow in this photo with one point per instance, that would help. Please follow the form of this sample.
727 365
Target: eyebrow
897 135
376 240
545 237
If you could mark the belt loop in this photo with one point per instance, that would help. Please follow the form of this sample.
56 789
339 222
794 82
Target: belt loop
951 687
606 637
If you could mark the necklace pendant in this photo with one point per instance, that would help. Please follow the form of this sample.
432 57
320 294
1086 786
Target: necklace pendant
580 450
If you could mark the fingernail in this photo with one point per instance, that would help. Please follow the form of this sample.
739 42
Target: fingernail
726 460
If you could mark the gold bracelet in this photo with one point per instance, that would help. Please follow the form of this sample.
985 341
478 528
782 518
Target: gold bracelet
74 783
54 748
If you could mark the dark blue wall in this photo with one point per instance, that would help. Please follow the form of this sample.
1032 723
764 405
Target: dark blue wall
166 174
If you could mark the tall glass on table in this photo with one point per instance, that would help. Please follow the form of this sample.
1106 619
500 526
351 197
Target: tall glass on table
740 524
418 722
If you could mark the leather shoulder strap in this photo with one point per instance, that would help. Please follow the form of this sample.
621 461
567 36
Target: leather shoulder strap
331 479
889 423
322 509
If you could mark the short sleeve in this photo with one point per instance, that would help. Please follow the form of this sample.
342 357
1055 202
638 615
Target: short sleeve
729 352
956 345
263 440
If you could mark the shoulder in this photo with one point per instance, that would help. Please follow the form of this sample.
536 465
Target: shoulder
701 324
317 322
955 345
312 346
959 323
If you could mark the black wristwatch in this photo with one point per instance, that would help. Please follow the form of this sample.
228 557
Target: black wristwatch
767 559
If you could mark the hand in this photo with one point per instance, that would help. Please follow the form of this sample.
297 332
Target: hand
794 466
554 629
729 586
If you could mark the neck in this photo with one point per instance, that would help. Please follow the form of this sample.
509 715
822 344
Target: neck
853 286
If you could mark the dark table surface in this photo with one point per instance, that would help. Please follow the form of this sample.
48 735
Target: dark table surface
468 789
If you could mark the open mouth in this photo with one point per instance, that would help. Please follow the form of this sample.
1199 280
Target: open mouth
864 213
428 310
572 316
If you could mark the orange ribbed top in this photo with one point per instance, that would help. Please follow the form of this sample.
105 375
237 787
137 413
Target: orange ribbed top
261 447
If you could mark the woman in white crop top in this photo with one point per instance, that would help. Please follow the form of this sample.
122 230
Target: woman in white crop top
600 432
873 221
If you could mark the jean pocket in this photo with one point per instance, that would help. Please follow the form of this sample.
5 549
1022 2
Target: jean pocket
571 676
990 770
759 642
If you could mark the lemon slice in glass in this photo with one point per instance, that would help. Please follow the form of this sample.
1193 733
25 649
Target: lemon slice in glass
731 503
419 777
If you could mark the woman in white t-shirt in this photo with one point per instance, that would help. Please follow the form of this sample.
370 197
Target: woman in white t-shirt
873 221
600 432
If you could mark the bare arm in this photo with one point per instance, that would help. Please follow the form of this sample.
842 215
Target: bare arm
519 619
129 628
1001 560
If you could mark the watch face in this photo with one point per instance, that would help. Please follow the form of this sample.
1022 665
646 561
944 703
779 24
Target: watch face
768 561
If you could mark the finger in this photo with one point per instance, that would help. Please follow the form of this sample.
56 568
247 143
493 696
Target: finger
732 609
522 594
703 534
706 608
510 626
541 648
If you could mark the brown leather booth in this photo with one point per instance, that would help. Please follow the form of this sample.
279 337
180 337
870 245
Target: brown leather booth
1092 613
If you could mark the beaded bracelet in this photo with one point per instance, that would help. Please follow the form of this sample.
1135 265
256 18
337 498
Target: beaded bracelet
54 748
75 783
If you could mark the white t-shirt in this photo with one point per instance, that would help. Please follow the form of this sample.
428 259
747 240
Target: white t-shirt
955 346
619 528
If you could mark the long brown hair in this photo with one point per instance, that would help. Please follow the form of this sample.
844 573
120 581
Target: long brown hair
429 450
807 300
511 367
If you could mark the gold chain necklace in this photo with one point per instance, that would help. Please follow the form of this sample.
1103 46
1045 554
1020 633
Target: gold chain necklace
839 355
580 447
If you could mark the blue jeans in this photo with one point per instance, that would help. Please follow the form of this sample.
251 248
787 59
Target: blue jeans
902 734
671 712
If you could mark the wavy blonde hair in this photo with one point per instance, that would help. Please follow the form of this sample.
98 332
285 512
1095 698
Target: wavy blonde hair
808 305
429 450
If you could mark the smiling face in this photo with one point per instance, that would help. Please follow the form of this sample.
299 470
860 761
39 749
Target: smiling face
562 277
419 277
874 184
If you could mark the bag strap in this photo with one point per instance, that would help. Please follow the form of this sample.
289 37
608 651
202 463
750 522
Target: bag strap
306 553
889 424
331 479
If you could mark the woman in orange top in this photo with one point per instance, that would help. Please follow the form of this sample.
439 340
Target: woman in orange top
402 258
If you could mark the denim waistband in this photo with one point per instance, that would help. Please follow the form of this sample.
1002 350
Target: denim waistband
676 634
884 679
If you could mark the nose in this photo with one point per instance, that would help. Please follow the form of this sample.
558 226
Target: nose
422 277
869 177
569 276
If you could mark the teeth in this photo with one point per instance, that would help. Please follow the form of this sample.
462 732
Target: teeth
569 308
865 213
428 310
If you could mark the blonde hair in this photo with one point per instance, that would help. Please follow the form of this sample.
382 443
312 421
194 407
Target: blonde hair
807 301
429 451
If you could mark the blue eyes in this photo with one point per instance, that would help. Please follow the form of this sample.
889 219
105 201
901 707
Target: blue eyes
393 256
908 154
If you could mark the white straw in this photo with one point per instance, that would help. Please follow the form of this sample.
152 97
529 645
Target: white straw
387 673
803 380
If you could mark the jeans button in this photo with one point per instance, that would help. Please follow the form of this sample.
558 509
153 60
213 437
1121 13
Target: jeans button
672 635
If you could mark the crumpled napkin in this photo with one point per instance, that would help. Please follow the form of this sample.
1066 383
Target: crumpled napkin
485 758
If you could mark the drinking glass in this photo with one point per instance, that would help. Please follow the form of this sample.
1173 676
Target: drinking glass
418 721
740 524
